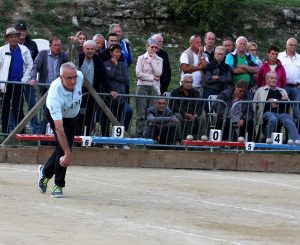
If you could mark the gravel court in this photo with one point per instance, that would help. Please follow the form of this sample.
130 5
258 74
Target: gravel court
105 205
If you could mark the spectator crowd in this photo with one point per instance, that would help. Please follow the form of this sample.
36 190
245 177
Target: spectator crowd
232 73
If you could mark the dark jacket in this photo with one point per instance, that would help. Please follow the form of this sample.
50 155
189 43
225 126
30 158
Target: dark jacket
118 78
182 106
40 65
159 118
101 83
215 69
165 77
31 45
247 112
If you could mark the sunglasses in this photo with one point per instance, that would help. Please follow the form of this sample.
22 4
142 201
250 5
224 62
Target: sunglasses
153 47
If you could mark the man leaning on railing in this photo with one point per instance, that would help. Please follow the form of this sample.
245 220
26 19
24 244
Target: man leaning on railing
15 65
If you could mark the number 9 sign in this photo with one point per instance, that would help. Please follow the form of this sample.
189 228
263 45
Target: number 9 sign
118 131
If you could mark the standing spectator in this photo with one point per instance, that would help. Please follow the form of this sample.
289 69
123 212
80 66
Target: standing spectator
112 38
76 46
165 78
252 48
15 65
118 77
242 64
290 60
209 47
29 91
194 61
161 125
243 111
228 45
217 75
190 113
126 49
148 71
100 41
63 105
272 64
274 113
93 69
47 65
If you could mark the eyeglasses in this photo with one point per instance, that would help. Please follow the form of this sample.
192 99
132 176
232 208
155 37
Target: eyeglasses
70 78
153 47
253 49
220 54
293 45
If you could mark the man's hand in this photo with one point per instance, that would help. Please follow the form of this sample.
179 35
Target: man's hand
241 123
32 82
174 119
114 94
66 161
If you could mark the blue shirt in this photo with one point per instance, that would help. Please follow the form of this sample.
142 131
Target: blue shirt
53 67
16 66
62 103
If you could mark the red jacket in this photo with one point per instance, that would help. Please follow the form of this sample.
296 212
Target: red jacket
265 68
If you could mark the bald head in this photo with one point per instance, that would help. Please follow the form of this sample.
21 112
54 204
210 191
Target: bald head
210 40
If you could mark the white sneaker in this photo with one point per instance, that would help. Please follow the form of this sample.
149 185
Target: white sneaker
105 146
126 147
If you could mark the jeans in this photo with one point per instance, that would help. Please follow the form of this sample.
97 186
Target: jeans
294 95
273 119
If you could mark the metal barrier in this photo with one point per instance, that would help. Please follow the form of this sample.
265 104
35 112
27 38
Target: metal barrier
168 126
13 107
168 120
262 118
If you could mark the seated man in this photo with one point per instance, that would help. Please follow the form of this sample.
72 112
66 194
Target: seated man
274 113
242 111
189 111
161 125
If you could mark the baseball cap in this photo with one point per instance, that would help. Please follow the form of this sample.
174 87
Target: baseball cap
21 26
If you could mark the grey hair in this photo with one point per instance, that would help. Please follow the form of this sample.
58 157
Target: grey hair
112 26
241 38
269 73
151 41
186 75
193 37
98 36
68 65
89 42
157 35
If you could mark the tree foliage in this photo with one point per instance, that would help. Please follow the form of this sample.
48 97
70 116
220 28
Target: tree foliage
220 16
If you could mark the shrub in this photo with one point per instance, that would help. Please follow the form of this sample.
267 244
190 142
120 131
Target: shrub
221 16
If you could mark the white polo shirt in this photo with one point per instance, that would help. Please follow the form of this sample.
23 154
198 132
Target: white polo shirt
62 103
197 75
291 66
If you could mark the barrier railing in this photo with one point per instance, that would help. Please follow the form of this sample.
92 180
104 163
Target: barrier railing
167 120
17 99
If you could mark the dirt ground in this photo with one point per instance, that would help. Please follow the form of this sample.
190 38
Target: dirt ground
105 205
